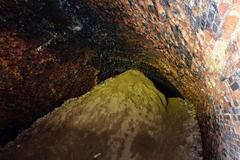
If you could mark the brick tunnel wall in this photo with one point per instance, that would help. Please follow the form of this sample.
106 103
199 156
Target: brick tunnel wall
194 44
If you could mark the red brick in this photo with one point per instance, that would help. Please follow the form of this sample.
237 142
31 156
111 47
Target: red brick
207 37
229 26
159 8
223 7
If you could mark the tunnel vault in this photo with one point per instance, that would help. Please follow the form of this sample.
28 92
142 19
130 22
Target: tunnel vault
52 50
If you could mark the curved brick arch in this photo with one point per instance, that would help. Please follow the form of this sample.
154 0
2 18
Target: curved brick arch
193 44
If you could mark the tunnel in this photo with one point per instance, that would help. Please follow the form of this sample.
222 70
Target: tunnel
54 50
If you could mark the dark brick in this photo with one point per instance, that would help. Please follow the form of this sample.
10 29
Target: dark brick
203 19
234 111
227 117
188 60
24 72
159 35
214 7
196 3
208 24
176 12
222 78
238 117
203 24
238 73
176 31
230 80
210 16
235 103
235 86
131 2
188 10
217 20
165 3
204 15
215 28
194 25
182 50
164 17
151 8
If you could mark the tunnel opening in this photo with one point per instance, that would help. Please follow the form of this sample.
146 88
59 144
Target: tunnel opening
160 82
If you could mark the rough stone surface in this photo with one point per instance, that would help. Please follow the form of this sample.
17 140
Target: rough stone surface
123 118
33 83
